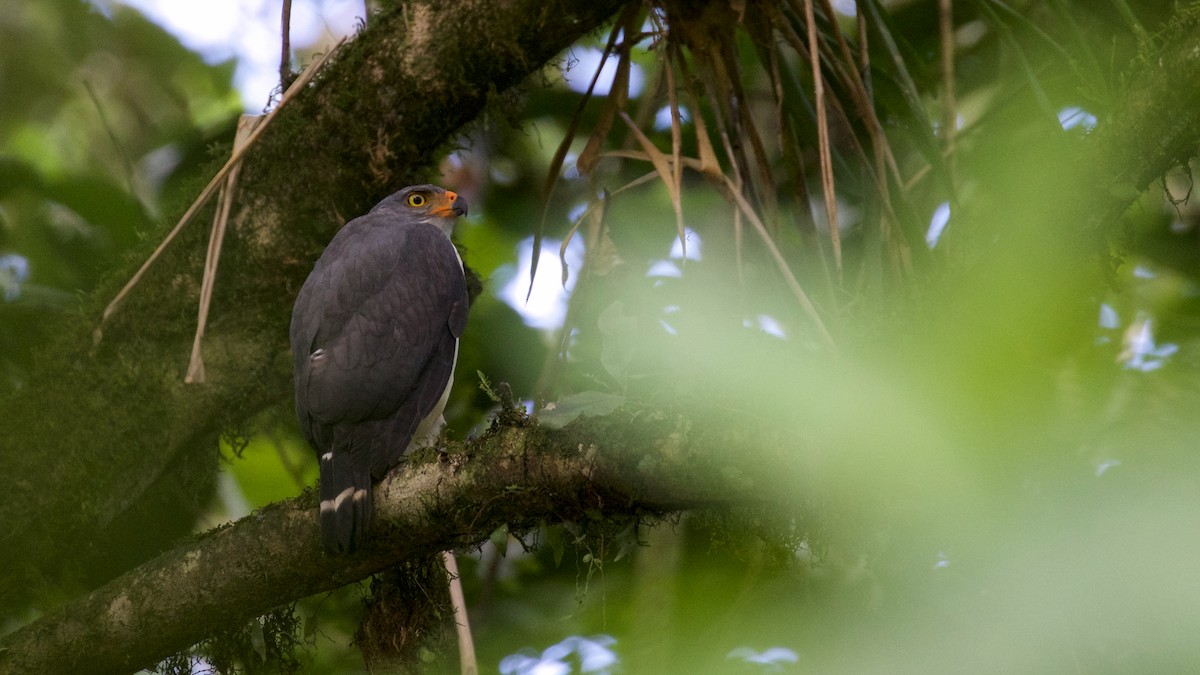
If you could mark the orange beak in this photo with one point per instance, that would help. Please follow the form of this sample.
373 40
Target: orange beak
448 205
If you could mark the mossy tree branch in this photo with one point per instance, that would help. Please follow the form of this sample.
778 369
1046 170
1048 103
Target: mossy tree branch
1153 127
519 475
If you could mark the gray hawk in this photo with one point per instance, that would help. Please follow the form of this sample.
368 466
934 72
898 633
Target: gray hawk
374 337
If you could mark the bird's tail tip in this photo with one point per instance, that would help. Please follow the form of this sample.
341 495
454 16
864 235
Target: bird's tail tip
345 503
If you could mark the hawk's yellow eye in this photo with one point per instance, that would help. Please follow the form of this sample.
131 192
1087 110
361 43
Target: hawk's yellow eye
417 200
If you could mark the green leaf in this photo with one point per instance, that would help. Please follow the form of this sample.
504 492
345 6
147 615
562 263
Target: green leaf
486 386
500 539
554 539
586 403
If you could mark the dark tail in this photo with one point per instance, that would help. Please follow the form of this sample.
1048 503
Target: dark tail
345 502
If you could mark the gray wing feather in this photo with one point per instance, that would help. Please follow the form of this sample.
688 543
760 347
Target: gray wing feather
382 303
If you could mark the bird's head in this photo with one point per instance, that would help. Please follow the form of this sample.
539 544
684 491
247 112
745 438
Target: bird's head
429 203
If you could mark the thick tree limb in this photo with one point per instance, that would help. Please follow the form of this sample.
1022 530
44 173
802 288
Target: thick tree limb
99 446
517 475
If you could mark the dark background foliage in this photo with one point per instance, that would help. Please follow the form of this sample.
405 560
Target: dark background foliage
983 440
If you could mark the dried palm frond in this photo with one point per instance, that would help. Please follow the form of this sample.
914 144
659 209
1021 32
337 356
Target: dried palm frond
780 97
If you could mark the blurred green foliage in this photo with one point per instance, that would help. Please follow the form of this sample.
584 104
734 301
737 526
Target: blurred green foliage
99 114
997 472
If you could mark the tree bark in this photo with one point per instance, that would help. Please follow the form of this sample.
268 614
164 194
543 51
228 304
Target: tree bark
104 440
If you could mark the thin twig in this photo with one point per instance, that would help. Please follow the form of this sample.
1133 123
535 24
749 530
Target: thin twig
676 152
662 164
462 625
285 52
216 181
195 372
835 237
864 55
949 111
860 89
781 263
586 161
